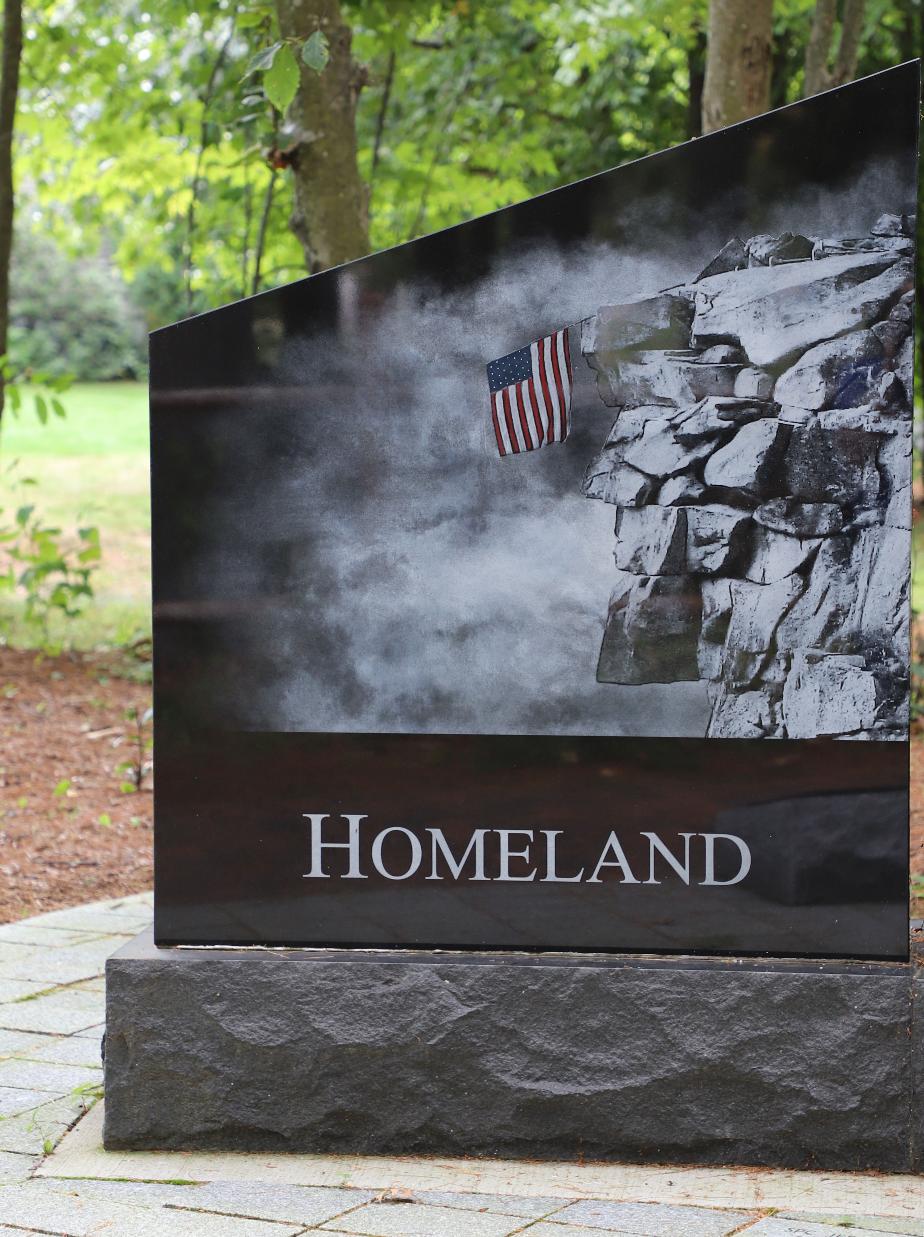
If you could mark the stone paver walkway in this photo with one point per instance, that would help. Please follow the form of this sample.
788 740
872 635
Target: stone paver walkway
51 1023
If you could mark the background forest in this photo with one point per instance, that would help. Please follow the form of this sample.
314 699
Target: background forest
160 159
160 149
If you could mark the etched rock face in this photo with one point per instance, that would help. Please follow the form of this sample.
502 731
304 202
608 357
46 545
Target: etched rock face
652 632
840 373
755 382
733 256
651 541
760 464
661 321
749 461
788 515
827 694
777 312
676 378
765 250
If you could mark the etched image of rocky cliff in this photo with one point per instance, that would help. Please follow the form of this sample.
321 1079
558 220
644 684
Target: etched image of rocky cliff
759 467
677 505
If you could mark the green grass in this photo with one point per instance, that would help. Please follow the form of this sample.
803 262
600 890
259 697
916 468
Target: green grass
90 468
102 418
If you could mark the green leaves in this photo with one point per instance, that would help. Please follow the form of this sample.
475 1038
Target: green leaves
52 571
263 59
279 66
316 51
280 80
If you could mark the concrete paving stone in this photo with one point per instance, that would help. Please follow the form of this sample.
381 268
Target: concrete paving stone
33 1205
16 1100
12 951
118 907
773 1226
653 1219
254 1200
67 965
16 989
103 924
59 1013
15 1167
15 1043
501 1204
53 968
92 985
30 933
547 1228
47 1075
61 1049
35 1131
419 1220
96 1032
876 1224
73 996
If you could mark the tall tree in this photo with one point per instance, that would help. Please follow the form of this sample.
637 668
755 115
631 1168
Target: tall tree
330 212
824 68
738 62
9 89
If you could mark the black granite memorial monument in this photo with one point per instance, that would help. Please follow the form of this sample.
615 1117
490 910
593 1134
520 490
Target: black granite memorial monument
529 598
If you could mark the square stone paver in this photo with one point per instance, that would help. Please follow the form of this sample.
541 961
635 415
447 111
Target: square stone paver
546 1228
16 1100
33 1132
418 1220
13 1043
52 969
254 1200
17 1167
30 933
33 1205
499 1204
876 1224
15 989
103 924
47 1076
775 1227
654 1220
63 1049
59 1013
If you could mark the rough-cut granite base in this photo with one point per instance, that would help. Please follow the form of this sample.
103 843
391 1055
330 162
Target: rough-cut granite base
795 1064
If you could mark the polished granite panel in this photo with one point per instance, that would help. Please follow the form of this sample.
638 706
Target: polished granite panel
361 610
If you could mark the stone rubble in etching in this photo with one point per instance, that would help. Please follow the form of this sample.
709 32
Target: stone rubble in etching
760 467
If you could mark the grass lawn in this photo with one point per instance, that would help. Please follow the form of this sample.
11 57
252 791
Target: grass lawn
92 468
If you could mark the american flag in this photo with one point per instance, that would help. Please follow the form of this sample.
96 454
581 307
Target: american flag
531 395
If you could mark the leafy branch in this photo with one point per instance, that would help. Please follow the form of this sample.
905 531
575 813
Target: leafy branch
279 65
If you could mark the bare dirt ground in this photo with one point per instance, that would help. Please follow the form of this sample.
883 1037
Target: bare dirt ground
74 826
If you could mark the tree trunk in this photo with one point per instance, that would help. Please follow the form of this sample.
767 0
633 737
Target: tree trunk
738 62
845 68
696 76
9 88
330 213
819 73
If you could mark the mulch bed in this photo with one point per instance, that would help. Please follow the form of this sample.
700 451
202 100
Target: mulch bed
71 829
73 826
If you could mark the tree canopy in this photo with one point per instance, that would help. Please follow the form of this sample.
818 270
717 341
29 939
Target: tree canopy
156 136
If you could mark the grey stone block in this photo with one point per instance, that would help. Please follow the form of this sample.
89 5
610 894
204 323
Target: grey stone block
561 1056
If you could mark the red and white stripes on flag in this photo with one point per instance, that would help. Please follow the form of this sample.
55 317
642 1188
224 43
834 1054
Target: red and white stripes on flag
531 395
